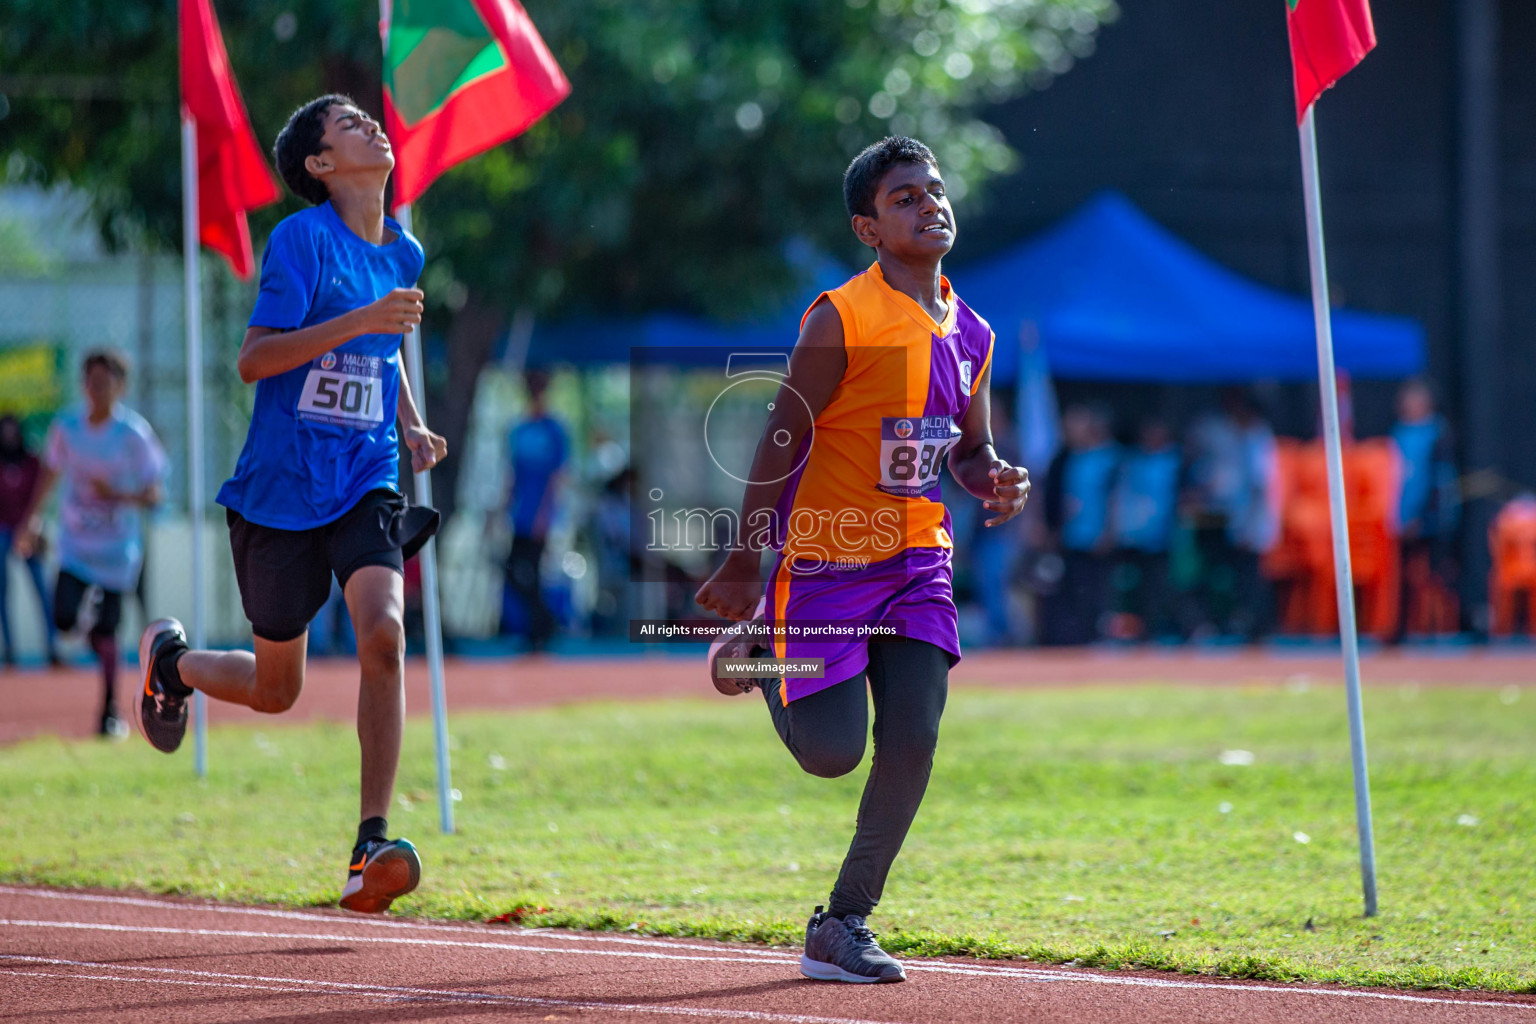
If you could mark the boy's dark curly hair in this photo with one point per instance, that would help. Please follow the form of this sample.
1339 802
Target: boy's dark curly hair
864 174
300 139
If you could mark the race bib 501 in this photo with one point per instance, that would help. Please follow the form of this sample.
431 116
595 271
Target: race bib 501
912 451
344 388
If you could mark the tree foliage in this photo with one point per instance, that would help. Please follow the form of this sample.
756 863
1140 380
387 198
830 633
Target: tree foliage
700 136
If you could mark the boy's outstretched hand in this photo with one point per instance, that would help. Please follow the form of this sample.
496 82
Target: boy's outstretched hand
1011 485
427 448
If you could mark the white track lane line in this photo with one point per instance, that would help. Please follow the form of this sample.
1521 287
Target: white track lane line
318 918
177 981
1033 975
383 939
307 986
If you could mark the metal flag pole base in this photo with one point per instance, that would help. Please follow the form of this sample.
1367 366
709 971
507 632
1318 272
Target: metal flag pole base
1343 575
194 333
431 608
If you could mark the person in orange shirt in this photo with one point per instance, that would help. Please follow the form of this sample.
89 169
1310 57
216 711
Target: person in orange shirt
888 383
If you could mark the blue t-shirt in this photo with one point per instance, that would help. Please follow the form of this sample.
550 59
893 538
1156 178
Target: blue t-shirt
1146 497
538 452
1417 442
323 434
1089 476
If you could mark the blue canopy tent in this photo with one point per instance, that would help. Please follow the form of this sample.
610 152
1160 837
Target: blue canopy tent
660 338
1114 296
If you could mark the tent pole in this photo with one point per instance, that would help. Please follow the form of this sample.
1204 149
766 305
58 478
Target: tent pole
1343 576
431 608
192 287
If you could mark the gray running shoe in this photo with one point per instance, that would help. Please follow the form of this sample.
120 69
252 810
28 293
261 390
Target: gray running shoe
162 716
846 950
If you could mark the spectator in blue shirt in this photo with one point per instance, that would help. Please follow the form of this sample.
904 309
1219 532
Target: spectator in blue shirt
539 449
1077 495
1142 515
1236 517
1430 500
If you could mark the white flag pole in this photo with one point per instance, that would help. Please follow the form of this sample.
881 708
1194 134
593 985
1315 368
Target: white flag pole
1343 576
191 246
432 611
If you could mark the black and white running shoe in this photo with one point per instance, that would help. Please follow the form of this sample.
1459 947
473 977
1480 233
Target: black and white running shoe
844 949
112 727
382 870
162 715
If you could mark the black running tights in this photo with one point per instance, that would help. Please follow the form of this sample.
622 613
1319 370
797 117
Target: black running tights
826 731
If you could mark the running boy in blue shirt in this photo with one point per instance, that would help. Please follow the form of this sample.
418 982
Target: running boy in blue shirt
315 490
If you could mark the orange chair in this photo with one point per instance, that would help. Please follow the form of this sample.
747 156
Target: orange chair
1303 498
1373 480
1372 486
1512 538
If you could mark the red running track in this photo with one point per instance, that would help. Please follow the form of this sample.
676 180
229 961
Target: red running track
65 702
124 959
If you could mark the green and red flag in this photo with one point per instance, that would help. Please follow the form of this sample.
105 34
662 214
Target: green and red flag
1328 38
460 76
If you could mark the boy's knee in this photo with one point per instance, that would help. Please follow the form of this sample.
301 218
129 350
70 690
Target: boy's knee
279 678
382 641
913 741
274 700
830 762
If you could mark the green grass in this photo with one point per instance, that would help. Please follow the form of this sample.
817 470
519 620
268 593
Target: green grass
1096 826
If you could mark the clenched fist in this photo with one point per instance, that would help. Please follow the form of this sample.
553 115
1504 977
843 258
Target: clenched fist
427 448
393 313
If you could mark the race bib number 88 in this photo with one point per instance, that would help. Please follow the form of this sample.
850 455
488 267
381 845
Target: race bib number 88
912 452
344 388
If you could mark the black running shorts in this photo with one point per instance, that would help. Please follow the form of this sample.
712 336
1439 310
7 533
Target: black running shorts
285 575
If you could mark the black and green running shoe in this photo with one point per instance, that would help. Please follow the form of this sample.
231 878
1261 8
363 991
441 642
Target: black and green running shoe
382 870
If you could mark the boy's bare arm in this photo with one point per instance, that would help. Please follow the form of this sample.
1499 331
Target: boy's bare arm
975 465
267 352
148 496
427 449
815 370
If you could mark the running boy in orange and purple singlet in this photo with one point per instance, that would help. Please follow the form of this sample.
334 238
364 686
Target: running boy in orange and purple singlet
888 383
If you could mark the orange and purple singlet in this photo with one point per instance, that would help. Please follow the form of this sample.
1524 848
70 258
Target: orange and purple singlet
863 537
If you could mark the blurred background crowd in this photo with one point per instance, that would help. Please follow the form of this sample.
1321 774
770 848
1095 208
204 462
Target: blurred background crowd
1144 528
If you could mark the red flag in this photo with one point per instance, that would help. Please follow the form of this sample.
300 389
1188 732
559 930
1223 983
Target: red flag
232 175
1328 38
460 76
